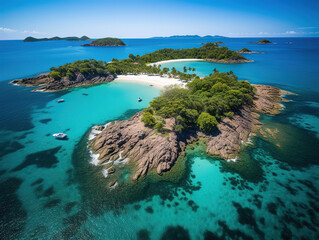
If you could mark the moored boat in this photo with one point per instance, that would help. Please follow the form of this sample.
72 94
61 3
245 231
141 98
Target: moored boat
60 136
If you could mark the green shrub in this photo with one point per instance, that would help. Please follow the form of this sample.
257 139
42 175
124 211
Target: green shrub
148 119
159 126
55 75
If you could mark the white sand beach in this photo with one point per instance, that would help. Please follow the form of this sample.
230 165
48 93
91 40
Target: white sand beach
154 80
176 60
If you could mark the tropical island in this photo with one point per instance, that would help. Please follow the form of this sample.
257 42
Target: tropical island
105 42
219 111
263 41
32 39
246 51
90 72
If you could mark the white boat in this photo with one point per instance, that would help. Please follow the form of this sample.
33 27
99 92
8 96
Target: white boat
60 135
139 99
60 100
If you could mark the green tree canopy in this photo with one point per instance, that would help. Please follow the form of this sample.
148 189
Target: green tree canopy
206 122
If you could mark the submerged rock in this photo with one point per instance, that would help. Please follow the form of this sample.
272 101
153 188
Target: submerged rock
111 170
112 183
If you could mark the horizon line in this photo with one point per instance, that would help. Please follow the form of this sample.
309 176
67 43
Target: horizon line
175 35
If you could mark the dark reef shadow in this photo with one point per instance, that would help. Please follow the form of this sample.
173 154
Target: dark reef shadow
42 159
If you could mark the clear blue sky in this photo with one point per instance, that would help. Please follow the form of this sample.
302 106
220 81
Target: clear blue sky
147 18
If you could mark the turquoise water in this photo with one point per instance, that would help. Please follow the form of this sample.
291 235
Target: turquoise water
49 188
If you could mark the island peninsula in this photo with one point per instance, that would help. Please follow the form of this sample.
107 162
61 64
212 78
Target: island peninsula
217 110
91 72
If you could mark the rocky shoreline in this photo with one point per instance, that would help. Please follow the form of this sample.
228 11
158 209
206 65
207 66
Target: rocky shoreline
228 61
45 83
147 149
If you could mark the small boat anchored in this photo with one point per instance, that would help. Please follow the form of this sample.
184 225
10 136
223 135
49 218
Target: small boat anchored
139 99
60 136
60 100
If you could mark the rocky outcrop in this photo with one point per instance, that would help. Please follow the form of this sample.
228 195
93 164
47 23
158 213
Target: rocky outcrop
131 139
267 99
226 142
46 83
151 150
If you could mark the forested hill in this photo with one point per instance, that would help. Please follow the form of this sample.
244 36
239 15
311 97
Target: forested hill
32 39
202 104
106 42
207 51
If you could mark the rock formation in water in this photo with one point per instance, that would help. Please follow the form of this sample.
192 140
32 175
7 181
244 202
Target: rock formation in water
151 150
49 84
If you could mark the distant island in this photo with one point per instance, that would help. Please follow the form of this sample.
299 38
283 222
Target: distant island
191 36
90 72
263 41
32 39
105 42
246 50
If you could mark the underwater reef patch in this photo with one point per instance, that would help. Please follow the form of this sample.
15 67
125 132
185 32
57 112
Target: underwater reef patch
143 234
175 233
9 147
42 159
45 120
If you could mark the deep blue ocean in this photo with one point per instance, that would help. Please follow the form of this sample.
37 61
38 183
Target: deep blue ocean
50 190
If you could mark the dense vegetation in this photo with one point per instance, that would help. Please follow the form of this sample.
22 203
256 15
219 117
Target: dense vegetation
32 39
138 64
202 104
93 68
107 42
207 51
126 66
